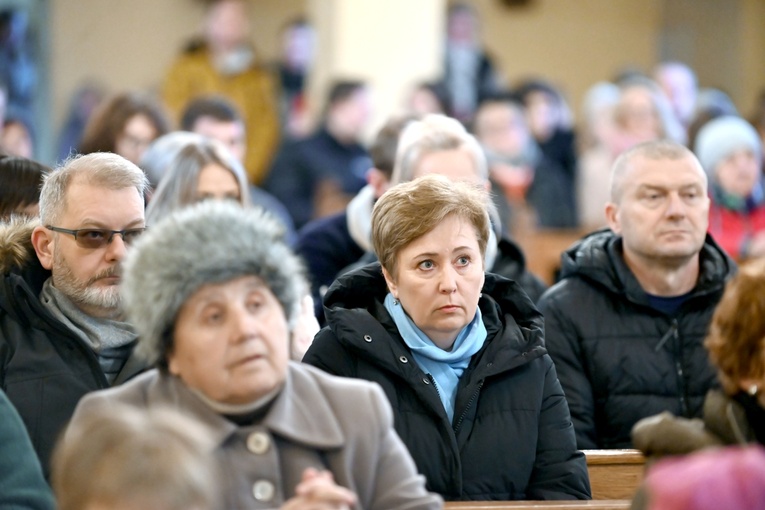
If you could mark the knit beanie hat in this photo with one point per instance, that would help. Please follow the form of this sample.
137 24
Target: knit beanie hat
210 242
721 137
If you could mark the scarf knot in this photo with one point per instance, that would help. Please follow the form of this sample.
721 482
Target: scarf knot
446 367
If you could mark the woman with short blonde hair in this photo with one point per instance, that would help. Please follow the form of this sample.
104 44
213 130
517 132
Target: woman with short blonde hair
459 352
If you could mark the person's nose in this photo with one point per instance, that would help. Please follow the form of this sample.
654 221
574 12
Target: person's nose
244 324
675 207
116 249
741 161
448 281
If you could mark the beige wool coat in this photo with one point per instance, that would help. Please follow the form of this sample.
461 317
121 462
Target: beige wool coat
317 420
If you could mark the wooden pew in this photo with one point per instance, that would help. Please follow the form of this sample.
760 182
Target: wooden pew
543 249
614 474
614 477
601 504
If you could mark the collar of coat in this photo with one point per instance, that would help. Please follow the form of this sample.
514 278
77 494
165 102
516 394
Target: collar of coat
300 412
16 250
21 274
598 258
354 309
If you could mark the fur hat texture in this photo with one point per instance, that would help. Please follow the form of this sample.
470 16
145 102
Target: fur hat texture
211 242
722 136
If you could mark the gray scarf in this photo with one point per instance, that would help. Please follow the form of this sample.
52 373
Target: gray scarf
110 339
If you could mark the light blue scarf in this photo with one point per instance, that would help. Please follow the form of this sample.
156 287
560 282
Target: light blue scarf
446 367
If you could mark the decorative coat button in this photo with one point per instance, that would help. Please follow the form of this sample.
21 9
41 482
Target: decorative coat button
258 443
263 490
367 338
403 359
426 380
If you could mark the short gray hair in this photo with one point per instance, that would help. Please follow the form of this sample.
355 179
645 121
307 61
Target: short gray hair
214 241
102 169
654 150
434 133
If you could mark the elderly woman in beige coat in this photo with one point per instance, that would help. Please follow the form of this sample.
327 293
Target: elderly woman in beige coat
214 293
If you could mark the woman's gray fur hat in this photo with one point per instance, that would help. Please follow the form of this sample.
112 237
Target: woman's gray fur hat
211 242
721 137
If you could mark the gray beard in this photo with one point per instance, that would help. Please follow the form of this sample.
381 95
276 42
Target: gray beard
86 295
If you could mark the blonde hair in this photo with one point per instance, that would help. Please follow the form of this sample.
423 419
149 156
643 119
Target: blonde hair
146 458
178 186
410 210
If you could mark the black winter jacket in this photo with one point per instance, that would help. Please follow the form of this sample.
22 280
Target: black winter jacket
44 368
618 358
511 437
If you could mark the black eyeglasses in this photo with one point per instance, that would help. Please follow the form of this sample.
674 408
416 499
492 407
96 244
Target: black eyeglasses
93 238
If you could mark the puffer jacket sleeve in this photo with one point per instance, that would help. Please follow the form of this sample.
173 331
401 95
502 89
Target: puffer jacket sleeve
560 470
563 344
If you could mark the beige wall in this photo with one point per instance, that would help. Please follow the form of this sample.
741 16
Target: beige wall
129 43
383 42
752 56
574 43
122 44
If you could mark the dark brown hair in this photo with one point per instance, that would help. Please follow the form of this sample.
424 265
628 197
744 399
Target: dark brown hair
22 179
383 149
110 119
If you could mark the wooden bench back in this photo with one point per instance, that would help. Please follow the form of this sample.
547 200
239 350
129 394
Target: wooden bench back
614 477
543 248
614 474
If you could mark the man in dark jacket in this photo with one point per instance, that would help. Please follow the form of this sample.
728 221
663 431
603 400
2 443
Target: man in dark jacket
625 325
61 334
317 176
333 245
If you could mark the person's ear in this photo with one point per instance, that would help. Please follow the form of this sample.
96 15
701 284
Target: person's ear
612 217
44 245
379 182
392 287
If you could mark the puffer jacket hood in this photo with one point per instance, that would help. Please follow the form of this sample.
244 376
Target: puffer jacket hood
598 259
365 288
16 250
45 367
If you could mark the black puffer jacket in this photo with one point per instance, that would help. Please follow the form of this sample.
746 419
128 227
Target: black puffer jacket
511 437
44 368
618 358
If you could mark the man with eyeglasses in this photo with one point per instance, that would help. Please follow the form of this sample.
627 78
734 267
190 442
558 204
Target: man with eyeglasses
61 330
